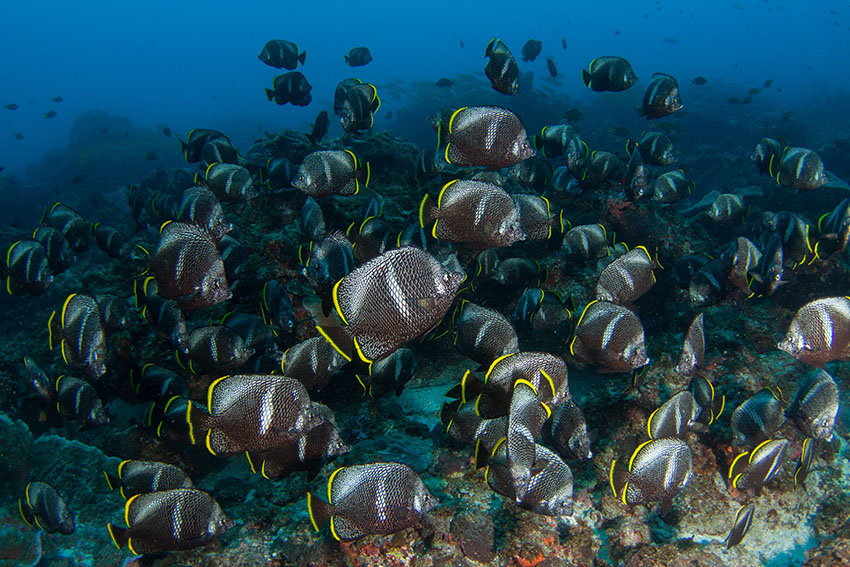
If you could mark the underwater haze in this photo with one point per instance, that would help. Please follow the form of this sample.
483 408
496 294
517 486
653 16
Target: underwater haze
535 284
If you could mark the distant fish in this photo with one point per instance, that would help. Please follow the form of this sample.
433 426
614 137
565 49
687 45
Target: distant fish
699 80
216 349
109 239
531 50
291 87
586 242
743 521
727 208
501 68
767 83
11 106
50 114
670 40
388 115
312 362
356 106
655 147
151 156
282 54
18 136
506 143
754 91
608 74
166 131
76 398
327 263
196 139
43 507
158 384
671 187
573 115
26 268
313 224
563 43
551 67
358 57
460 41
280 173
693 348
661 97
445 83
218 151
767 150
334 172
320 128
708 284
568 431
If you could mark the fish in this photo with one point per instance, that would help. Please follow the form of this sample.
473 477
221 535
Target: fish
699 80
766 277
609 336
711 404
444 83
751 470
517 273
257 412
27 268
535 216
170 520
758 418
563 43
216 348
39 380
541 310
627 278
655 147
320 128
478 214
234 256
613 74
390 373
157 384
188 268
60 257
601 167
800 168
340 93
573 115
767 150
359 105
489 136
466 426
78 330
313 224
819 332
727 208
636 184
658 470
533 173
693 349
255 332
166 131
754 91
551 67
329 262
78 399
661 97
113 311
218 150
429 164
834 225
373 237
292 88
586 242
358 57
549 490
794 232
142 477
280 172
671 186
414 289
164 314
335 172
686 266
201 207
501 68
43 506
282 54
708 284
312 362
562 140
276 308
71 223
743 521
816 406
531 50
567 431
18 136
229 182
675 417
196 139
50 114
11 106
484 334
109 239
376 498
164 207
806 456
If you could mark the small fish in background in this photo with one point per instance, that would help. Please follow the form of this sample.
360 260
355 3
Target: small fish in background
50 114
313 224
216 349
478 214
57 99
70 222
388 115
563 43
708 284
201 207
699 80
741 258
18 136
11 106
282 54
636 185
157 384
218 151
359 56
609 336
505 144
279 174
188 267
166 131
793 232
819 332
743 521
674 418
460 41
661 97
170 520
444 83
372 237
77 399
109 239
164 314
586 242
113 311
151 156
758 418
142 477
484 334
613 74
834 229
754 91
655 147
657 471
535 217
256 334
816 406
733 100
751 470
551 67
539 310
332 172
78 330
26 268
531 49
43 506
76 179
379 498
389 374
312 362
800 168
195 141
807 455
727 208
327 263
567 430
290 88
320 128
670 40
671 187
693 348
767 84
501 68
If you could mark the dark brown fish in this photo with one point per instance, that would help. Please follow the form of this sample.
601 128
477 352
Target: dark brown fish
196 139
290 88
489 136
282 54
798 167
753 469
693 349
658 470
27 268
609 336
608 74
320 128
163 313
157 384
656 148
188 267
71 223
816 406
627 278
77 399
109 239
218 150
79 332
535 216
43 507
484 334
359 105
758 418
229 182
743 521
674 418
661 97
142 477
336 172
312 362
766 151
819 332
501 69
60 257
327 263
200 207
586 242
216 349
